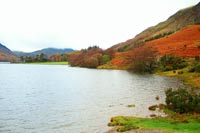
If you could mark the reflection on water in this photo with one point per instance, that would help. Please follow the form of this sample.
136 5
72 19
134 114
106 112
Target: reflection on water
43 98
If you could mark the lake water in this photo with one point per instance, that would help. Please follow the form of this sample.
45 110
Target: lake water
62 99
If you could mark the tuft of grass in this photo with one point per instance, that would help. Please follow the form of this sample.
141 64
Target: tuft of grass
180 123
131 105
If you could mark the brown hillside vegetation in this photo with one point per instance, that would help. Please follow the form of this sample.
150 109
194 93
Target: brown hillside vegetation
181 19
184 43
178 35
122 58
91 57
6 57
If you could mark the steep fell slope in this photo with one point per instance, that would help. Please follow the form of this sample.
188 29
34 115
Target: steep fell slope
179 20
184 43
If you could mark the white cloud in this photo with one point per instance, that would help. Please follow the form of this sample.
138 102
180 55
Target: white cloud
33 24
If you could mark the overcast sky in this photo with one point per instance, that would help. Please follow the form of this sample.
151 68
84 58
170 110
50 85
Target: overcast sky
28 25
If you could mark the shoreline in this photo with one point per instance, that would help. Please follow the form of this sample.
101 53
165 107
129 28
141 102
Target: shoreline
166 74
45 63
114 130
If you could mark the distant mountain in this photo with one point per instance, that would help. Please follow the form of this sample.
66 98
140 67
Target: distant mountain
5 50
46 51
6 54
181 19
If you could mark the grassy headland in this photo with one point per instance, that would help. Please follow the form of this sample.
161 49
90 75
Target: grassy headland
188 75
174 123
191 79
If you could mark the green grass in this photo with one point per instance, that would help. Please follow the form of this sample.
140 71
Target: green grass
183 123
49 63
191 79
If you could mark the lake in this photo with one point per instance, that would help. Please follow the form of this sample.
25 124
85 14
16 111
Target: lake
63 99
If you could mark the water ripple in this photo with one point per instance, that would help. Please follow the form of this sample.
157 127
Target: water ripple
38 98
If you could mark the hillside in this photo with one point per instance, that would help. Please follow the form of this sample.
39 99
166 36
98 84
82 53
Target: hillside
184 17
46 51
185 43
178 35
6 54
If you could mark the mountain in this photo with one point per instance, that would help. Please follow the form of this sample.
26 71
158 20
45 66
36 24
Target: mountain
6 54
181 19
46 51
178 35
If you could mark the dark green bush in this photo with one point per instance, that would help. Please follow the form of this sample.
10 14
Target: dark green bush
192 69
167 68
160 36
182 101
197 58
180 72
171 62
197 68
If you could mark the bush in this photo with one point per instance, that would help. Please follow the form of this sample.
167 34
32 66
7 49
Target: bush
192 69
106 58
197 68
160 36
180 72
171 62
167 68
182 101
197 58
143 60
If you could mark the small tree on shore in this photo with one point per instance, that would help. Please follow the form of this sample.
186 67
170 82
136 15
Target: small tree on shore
143 60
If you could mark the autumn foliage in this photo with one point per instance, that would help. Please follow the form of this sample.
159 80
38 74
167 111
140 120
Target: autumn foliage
91 57
5 57
144 60
142 57
184 43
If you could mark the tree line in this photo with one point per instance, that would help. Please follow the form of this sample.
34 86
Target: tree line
44 58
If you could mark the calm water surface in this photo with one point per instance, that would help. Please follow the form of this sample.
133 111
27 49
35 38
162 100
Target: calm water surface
62 99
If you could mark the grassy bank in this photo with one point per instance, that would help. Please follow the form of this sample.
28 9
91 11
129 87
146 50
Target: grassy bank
110 66
49 63
191 79
178 123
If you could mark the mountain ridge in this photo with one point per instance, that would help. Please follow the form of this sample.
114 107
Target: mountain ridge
46 51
